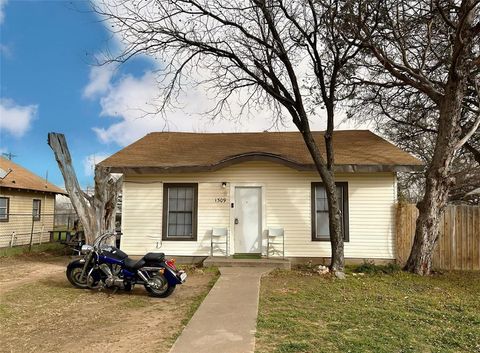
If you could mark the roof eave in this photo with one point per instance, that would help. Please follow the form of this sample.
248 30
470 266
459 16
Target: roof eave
344 168
260 156
13 187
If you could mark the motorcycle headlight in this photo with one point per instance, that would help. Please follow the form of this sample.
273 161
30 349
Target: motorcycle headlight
86 248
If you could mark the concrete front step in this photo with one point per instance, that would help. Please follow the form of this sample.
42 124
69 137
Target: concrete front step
217 261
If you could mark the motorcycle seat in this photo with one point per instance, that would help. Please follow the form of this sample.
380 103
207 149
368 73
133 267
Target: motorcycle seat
133 264
154 257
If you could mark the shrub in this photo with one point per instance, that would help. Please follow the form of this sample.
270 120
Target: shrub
369 267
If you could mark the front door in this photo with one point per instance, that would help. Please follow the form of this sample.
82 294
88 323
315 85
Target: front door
248 220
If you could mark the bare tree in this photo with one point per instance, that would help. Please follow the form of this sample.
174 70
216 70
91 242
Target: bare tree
410 122
96 212
427 53
286 55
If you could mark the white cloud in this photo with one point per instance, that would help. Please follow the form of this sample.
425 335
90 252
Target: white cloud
99 81
2 10
16 119
90 161
129 100
5 50
133 100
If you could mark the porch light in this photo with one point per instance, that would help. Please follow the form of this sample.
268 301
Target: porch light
224 184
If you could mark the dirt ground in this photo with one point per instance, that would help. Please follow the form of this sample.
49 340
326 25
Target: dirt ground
41 312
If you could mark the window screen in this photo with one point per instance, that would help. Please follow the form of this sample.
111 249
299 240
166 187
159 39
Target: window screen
37 204
4 205
320 226
180 211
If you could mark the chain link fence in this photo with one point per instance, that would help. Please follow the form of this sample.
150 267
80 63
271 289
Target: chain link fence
25 229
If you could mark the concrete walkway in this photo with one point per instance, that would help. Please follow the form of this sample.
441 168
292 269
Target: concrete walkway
226 320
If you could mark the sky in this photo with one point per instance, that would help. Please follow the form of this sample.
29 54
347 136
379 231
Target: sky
50 80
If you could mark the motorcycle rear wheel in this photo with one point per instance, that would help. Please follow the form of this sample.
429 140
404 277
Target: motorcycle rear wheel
74 274
162 291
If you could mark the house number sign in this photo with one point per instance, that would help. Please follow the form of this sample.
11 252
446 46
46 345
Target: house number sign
220 200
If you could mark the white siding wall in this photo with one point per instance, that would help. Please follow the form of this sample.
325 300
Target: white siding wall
20 217
286 203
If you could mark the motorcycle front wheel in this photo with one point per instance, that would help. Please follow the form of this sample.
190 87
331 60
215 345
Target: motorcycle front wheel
159 287
74 275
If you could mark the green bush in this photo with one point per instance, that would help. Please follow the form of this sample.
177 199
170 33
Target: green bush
369 267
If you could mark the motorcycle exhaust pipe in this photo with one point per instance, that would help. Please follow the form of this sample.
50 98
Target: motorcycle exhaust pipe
150 268
142 276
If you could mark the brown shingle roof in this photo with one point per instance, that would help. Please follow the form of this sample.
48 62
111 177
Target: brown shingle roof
21 178
355 150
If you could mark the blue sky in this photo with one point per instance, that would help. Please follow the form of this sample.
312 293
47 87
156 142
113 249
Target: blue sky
47 52
49 82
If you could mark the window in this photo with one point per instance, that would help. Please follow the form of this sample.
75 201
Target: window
37 205
180 211
320 227
4 209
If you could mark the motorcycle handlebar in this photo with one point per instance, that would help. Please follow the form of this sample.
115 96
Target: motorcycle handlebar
102 237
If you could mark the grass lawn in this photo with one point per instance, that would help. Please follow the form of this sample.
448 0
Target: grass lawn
305 312
49 248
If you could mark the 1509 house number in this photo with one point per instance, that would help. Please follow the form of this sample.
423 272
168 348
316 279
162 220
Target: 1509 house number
220 200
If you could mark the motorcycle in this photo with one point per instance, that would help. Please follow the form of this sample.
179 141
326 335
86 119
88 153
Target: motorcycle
105 266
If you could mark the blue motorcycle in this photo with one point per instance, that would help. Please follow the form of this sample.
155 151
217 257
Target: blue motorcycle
105 266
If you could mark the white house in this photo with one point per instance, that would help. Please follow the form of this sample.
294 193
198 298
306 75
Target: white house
180 186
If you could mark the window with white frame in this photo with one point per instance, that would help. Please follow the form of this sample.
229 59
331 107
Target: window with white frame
4 209
37 209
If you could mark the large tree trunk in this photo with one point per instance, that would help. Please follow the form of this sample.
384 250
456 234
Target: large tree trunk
438 175
438 179
430 209
96 212
335 223
437 186
337 263
334 214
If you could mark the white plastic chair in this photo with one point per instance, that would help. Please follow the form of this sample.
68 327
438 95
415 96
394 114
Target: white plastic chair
275 237
219 237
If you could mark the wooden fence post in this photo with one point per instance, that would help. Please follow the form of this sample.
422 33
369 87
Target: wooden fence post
31 233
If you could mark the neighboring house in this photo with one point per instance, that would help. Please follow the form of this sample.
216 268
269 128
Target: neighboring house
25 198
179 186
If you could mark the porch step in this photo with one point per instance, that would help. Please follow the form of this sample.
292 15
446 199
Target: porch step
218 261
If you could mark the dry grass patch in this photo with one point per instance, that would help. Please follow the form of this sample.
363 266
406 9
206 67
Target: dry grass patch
49 315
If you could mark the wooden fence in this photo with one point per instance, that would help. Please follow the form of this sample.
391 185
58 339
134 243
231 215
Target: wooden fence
458 247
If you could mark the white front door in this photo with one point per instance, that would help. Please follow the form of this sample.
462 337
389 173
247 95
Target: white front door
248 220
